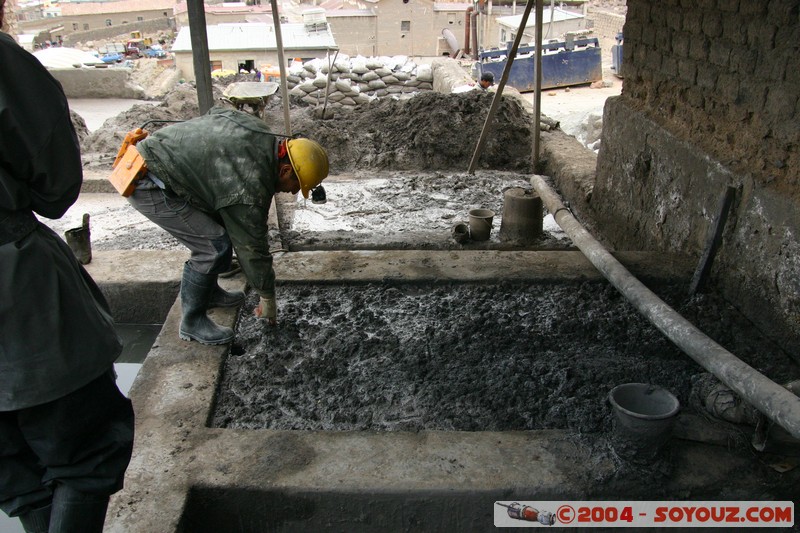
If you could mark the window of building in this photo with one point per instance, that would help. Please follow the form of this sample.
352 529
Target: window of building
139 19
405 25
74 26
246 65
108 22
124 21
216 65
85 26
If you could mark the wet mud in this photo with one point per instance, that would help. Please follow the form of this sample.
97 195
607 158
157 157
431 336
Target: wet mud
430 131
465 357
404 210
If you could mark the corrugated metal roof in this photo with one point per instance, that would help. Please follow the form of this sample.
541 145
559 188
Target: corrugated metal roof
256 36
558 16
59 57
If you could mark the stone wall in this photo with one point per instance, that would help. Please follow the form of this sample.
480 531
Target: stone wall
109 33
711 99
97 83
605 24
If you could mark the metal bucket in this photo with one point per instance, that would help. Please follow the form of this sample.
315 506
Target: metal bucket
644 415
522 216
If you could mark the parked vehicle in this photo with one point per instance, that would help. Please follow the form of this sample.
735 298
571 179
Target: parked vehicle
134 48
111 57
155 51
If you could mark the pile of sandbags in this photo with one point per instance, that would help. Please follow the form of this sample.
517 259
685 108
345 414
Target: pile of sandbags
356 81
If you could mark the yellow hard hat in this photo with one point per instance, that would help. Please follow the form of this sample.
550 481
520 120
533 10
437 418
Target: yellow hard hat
309 161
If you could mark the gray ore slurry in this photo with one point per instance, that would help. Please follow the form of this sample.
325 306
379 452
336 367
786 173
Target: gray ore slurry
403 210
466 357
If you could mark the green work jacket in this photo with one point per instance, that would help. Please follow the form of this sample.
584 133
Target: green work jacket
225 164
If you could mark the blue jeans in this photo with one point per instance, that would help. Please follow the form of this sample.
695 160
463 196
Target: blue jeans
204 236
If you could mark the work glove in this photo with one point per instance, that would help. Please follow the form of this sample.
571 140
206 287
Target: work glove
267 308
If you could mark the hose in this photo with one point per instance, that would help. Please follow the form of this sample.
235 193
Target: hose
773 400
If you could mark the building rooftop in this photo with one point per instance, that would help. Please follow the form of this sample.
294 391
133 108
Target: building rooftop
249 36
559 15
228 8
122 6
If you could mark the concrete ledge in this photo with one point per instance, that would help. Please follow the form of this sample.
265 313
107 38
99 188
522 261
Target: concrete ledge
95 181
479 265
572 166
97 83
140 285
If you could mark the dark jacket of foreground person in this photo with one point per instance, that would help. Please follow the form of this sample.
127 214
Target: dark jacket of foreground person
66 431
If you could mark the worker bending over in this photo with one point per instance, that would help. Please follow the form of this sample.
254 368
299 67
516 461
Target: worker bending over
209 182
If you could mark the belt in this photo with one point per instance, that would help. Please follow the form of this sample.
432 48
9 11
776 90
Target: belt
15 225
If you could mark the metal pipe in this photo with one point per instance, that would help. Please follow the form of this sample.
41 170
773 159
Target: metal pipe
468 22
776 402
276 21
474 34
500 86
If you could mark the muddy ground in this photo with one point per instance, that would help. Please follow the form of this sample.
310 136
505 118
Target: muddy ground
469 357
440 356
430 131
399 170
404 210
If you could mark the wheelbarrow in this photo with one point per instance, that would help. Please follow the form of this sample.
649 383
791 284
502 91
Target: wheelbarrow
254 94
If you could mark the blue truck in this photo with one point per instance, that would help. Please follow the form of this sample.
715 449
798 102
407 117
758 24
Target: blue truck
564 63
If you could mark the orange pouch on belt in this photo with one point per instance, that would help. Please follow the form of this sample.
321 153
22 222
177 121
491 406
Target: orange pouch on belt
127 171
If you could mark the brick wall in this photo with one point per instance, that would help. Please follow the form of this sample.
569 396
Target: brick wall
726 75
711 100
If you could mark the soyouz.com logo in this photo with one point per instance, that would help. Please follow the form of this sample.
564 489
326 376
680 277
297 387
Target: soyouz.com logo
644 514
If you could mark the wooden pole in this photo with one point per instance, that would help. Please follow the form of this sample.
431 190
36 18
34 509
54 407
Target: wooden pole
201 62
537 95
276 20
499 93
712 242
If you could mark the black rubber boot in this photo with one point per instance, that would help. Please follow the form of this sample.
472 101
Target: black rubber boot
37 520
222 298
75 511
196 291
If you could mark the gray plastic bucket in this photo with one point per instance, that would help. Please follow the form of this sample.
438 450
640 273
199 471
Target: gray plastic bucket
644 415
480 224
